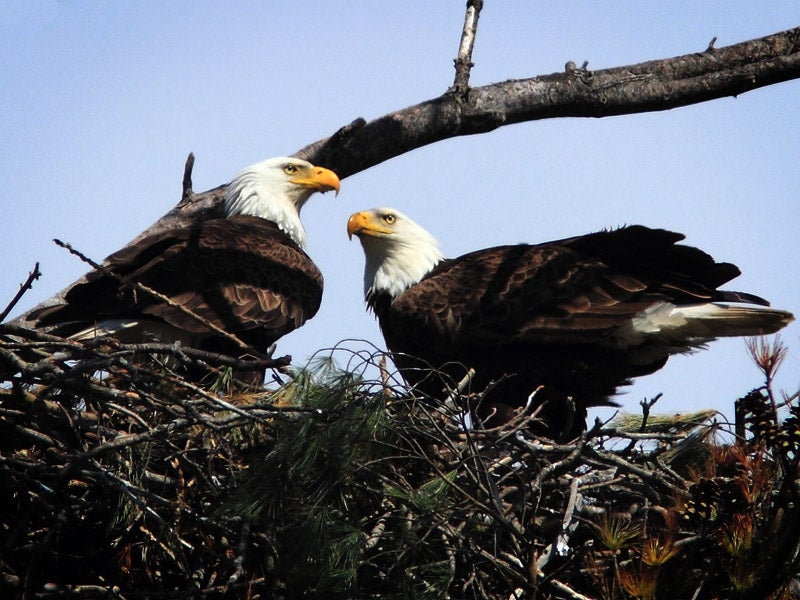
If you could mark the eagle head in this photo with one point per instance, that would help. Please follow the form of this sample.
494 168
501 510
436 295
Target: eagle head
398 252
276 189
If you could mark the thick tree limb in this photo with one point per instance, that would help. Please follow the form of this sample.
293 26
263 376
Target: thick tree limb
650 86
577 92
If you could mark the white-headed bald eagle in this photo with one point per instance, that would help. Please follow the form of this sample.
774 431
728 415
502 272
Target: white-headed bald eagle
579 316
247 273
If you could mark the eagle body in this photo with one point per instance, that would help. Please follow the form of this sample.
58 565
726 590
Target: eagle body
245 274
573 318
241 274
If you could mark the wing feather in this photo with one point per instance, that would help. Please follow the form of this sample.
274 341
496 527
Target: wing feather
571 291
242 274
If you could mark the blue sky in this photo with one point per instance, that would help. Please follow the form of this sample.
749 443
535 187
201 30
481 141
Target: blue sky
102 101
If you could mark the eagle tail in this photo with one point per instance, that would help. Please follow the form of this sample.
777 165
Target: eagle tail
82 332
703 322
125 330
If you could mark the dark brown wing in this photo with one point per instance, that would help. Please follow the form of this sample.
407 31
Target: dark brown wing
242 274
576 290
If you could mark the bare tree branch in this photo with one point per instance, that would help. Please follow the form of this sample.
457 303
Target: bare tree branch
650 86
32 276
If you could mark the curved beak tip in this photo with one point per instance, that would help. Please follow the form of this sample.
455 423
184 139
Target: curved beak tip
353 225
328 180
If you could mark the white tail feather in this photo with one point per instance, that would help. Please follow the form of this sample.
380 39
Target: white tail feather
697 324
102 329
134 331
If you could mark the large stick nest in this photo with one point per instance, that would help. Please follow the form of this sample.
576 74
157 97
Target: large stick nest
120 478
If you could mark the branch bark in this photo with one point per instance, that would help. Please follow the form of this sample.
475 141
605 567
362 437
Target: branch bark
577 92
463 61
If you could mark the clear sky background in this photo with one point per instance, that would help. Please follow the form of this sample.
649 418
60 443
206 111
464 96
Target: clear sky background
100 102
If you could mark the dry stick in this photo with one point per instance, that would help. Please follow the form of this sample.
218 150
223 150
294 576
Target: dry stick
646 436
50 343
241 549
213 399
14 328
491 487
195 353
477 459
646 406
372 538
187 178
645 475
153 293
122 441
184 354
454 394
32 276
457 487
566 522
463 62
384 372
565 589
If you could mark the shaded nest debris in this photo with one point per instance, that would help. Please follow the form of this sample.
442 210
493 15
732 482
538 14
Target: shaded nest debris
120 478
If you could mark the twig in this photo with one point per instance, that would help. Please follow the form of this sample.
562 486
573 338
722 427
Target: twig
565 589
463 61
32 276
646 406
491 485
561 466
187 178
646 436
456 392
82 591
372 538
385 385
180 351
645 475
561 545
241 550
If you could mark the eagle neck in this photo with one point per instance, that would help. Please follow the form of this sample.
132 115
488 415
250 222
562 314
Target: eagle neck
393 270
378 302
247 198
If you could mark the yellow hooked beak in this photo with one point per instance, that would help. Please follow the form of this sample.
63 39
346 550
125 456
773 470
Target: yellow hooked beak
365 223
319 179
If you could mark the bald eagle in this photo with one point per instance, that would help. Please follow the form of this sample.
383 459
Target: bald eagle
579 316
246 273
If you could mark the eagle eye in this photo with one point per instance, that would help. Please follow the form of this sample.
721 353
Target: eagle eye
290 169
390 218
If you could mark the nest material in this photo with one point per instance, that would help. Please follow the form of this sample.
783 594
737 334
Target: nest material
121 478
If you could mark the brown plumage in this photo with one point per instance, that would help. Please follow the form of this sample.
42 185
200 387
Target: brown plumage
241 274
245 274
579 316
